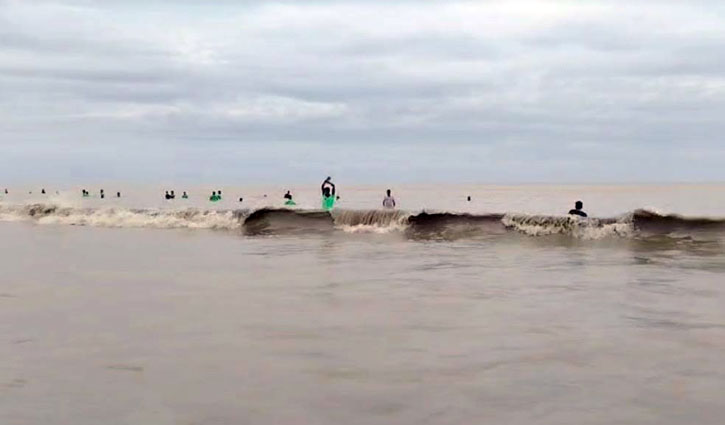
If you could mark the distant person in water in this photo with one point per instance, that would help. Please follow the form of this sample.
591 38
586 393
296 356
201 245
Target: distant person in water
103 195
214 197
42 191
241 199
167 195
184 196
468 199
288 199
389 201
328 194
118 194
219 194
578 209
173 195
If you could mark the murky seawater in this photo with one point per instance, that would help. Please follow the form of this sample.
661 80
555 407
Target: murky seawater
158 326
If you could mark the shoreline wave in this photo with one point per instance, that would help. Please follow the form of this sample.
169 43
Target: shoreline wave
424 224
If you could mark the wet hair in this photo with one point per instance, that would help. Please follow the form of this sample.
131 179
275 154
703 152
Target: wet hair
388 192
326 191
468 199
579 205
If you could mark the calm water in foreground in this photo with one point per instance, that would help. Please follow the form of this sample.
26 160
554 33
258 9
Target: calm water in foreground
136 325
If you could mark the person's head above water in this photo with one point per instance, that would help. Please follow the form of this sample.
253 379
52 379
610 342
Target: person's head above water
326 191
578 205
388 192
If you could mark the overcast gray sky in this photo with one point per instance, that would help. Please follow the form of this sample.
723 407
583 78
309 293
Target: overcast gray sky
367 91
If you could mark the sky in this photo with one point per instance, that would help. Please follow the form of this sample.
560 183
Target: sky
367 91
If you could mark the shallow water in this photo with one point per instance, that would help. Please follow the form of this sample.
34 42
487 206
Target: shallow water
184 326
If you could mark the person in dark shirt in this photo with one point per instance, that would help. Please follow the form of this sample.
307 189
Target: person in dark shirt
578 209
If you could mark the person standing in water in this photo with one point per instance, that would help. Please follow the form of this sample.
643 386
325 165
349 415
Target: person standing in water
288 199
184 196
578 209
389 201
328 194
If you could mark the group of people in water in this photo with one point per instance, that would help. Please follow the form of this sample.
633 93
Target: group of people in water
171 195
329 198
87 194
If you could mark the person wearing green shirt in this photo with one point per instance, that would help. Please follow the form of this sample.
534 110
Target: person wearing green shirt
328 194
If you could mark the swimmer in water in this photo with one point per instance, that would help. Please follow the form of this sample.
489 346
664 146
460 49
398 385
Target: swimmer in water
468 199
42 191
118 194
288 199
173 195
389 201
578 209
328 194
184 196
103 194
167 196
241 199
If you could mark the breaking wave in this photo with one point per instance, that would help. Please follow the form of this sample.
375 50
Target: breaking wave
124 217
435 225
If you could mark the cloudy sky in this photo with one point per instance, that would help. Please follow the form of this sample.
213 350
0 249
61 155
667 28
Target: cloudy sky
367 91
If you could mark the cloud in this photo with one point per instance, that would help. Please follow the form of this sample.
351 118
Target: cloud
531 90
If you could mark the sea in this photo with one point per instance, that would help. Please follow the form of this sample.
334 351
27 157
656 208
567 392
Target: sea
501 309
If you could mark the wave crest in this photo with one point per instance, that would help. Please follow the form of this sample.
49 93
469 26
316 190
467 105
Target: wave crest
446 225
